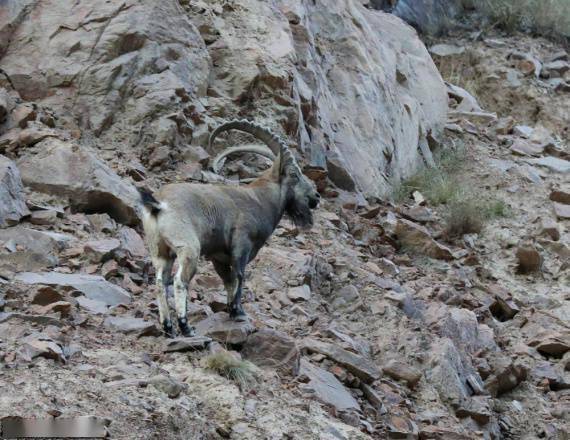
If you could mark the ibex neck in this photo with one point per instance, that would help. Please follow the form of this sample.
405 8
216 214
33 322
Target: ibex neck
271 201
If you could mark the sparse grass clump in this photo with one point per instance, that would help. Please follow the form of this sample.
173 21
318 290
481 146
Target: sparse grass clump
544 17
462 207
438 185
467 214
243 373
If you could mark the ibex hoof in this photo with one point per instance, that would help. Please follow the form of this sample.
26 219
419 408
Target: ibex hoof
168 329
238 314
185 329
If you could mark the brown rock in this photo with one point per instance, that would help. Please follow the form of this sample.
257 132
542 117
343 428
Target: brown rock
476 407
503 309
529 260
401 427
110 269
187 344
102 222
505 126
48 217
64 169
221 328
46 295
23 114
325 387
274 349
62 307
168 385
551 344
549 228
417 237
40 345
402 371
101 250
357 365
506 374
560 196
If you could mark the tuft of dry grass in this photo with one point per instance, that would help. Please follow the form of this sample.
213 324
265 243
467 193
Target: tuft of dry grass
439 184
544 17
467 214
243 373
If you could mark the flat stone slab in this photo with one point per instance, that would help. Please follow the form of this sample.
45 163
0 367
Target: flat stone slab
561 211
130 325
326 387
357 365
552 163
221 328
187 344
93 287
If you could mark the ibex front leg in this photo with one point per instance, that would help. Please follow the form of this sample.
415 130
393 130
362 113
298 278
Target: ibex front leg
239 262
188 263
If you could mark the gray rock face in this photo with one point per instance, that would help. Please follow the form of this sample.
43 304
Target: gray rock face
64 169
140 61
449 373
12 203
93 287
326 387
116 55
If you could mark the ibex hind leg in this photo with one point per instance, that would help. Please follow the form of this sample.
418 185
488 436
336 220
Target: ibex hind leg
187 265
163 267
229 278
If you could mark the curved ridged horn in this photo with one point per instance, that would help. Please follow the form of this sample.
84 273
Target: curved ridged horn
264 134
262 150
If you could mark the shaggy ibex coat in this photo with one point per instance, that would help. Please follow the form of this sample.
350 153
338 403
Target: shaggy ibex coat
227 225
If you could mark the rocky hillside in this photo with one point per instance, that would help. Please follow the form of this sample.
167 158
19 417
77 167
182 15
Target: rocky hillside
391 318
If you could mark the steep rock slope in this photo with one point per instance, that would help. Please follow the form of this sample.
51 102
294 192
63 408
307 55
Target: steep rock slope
354 89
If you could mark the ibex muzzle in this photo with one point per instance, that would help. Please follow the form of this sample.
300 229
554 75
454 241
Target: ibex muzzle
227 225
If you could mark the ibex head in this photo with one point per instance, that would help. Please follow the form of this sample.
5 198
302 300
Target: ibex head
298 192
301 194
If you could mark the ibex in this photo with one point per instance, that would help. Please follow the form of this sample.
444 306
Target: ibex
226 224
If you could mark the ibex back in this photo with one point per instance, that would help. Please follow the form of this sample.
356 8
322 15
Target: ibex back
227 225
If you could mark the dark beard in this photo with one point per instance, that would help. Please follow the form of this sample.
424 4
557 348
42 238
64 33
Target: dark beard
299 213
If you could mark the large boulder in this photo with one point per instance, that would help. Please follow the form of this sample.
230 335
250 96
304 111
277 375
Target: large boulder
12 203
65 169
93 287
25 249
